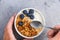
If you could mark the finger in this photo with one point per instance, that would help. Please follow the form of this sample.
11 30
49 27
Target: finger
50 33
57 35
10 23
9 27
57 26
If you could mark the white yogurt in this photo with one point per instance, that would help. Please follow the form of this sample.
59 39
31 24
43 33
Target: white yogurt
37 16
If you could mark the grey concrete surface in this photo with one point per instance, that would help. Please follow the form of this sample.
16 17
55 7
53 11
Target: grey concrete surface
49 8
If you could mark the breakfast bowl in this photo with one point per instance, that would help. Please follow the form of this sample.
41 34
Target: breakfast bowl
24 18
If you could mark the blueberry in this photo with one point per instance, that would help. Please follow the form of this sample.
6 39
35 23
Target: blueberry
20 23
21 16
31 11
31 16
25 11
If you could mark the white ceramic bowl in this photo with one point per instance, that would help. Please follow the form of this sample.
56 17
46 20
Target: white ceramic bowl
42 21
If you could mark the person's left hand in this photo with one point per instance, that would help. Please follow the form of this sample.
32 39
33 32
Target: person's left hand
8 32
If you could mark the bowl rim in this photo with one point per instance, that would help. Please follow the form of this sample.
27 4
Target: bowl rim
39 32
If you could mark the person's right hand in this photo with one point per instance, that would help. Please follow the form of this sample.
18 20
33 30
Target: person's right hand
53 34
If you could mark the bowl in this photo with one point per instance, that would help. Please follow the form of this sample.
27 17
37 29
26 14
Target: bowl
38 17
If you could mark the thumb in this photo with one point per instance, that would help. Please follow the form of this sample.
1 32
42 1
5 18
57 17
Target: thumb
9 27
10 23
57 35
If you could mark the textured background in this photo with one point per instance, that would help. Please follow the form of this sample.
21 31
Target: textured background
49 8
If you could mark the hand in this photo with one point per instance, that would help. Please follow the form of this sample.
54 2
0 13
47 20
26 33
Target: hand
8 32
54 34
